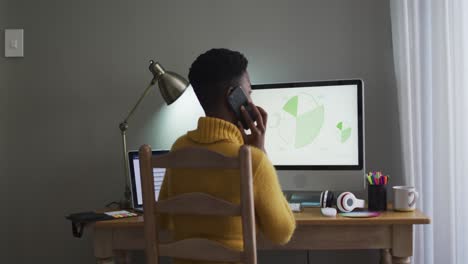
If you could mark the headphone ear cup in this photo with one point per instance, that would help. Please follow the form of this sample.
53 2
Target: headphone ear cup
341 202
325 197
330 197
346 202
338 202
344 199
321 199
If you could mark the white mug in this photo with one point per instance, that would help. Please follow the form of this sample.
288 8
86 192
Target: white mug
404 198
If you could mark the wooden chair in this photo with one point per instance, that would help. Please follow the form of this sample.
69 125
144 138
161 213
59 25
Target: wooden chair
198 204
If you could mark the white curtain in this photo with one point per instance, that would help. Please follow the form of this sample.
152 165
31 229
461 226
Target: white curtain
430 46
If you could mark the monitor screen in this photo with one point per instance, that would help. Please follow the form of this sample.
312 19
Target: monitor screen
313 125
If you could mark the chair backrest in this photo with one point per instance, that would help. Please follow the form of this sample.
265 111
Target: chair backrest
198 204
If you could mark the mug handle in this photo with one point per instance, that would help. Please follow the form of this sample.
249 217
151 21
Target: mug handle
415 197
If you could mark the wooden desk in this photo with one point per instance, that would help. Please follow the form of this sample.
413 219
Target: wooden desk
392 232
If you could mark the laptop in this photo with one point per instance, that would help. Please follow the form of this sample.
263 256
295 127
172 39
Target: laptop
135 178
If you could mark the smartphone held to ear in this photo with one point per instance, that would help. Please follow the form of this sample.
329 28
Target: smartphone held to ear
236 99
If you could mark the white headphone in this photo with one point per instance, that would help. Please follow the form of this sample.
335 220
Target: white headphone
347 202
326 203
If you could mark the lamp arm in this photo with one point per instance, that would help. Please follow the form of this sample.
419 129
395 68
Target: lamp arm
123 131
145 93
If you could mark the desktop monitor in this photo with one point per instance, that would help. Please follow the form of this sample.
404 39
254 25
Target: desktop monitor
315 133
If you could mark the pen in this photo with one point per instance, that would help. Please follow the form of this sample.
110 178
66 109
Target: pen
377 178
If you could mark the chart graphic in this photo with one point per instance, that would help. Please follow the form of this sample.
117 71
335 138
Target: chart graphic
344 132
310 125
308 115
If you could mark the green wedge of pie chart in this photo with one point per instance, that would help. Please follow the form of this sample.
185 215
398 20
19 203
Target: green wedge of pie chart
309 121
345 133
291 106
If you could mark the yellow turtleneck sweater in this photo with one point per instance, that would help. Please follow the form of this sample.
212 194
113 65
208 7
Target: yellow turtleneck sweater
273 215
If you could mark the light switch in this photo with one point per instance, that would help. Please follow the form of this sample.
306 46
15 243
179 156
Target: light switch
14 43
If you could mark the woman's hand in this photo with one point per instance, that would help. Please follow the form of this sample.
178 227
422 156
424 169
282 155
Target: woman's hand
257 131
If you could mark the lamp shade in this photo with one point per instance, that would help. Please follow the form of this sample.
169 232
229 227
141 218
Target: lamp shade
171 85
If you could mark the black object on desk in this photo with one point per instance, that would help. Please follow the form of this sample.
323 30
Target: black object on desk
377 197
79 220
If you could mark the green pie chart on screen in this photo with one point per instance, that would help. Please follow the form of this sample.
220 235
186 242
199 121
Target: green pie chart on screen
291 106
309 118
345 133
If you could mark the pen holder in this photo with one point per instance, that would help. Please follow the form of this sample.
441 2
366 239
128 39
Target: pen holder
377 197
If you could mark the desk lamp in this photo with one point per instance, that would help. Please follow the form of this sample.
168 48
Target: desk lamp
172 86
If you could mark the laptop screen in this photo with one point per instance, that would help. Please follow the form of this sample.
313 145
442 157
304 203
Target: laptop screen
135 177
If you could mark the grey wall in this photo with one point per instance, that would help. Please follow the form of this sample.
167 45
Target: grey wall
86 63
3 130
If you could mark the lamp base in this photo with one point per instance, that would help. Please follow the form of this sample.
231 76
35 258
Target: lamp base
126 202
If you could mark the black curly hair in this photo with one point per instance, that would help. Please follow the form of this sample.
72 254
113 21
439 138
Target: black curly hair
215 71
